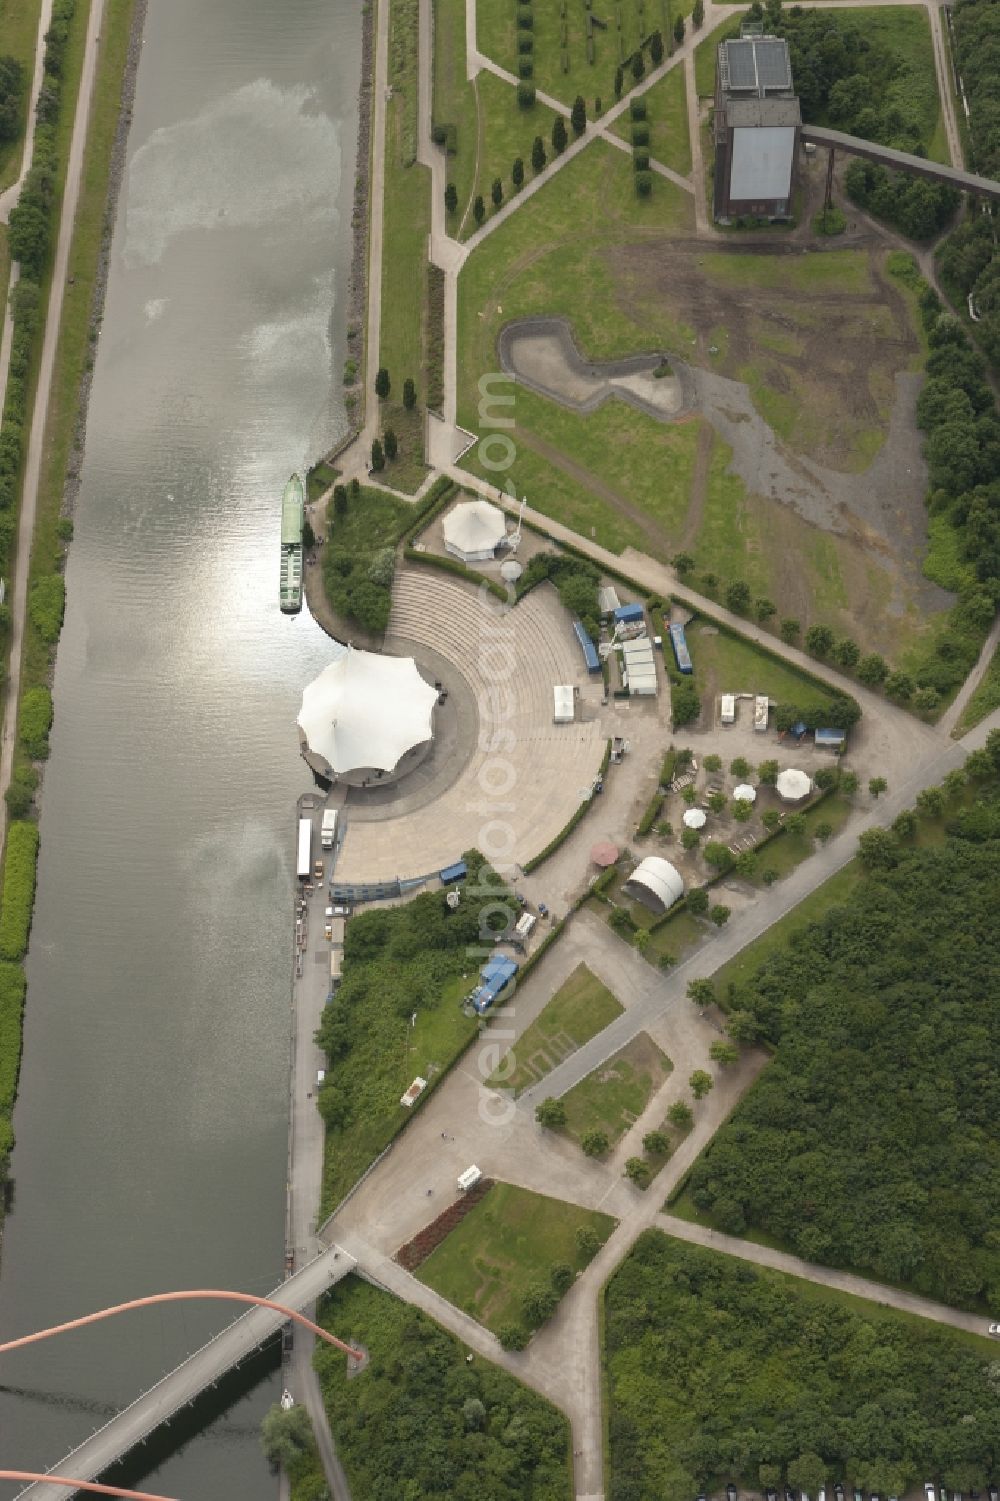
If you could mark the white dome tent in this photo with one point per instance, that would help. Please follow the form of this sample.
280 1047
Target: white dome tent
363 715
744 793
473 530
695 818
656 883
793 785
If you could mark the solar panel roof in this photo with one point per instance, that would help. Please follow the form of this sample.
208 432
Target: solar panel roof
758 63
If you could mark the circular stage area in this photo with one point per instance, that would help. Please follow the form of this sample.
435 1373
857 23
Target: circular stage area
366 718
511 779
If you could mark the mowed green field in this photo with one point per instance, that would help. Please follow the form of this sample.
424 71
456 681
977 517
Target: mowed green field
490 129
511 1238
563 65
580 1008
667 118
614 1096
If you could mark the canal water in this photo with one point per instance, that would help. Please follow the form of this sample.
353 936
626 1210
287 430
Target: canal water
151 1125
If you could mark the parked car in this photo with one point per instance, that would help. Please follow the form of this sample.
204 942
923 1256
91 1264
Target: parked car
992 1492
821 1493
995 1330
838 1492
790 1494
731 1492
930 1493
770 1494
858 1495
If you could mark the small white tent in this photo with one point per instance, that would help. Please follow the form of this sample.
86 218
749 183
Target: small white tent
473 530
656 883
793 785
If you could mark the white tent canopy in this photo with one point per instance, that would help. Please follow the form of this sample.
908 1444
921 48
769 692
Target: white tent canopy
744 793
366 711
656 882
694 818
473 529
793 785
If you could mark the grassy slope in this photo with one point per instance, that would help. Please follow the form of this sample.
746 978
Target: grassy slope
497 38
407 222
542 260
76 345
18 32
511 1238
490 130
580 1008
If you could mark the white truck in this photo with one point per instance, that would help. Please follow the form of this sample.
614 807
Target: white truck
328 829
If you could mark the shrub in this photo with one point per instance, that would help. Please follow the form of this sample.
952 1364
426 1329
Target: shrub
526 95
594 1143
18 889
35 721
46 606
640 134
525 44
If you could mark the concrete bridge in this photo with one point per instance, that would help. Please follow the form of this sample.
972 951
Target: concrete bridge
900 161
226 1349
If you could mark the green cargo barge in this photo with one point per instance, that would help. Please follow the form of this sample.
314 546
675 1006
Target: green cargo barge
292 516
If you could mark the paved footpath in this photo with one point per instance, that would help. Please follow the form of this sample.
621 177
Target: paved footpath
845 1282
43 392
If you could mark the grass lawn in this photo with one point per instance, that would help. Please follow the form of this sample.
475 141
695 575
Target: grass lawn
669 136
727 664
731 530
777 938
705 53
905 30
845 271
984 700
406 226
648 464
510 1239
614 1096
543 260
490 130
562 64
788 851
18 33
676 937
504 132
580 1008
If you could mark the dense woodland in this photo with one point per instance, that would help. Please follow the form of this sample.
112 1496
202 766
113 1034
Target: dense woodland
873 1139
399 961
718 1371
968 260
422 1423
856 83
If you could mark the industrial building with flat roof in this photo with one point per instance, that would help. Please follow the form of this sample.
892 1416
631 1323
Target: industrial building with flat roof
757 120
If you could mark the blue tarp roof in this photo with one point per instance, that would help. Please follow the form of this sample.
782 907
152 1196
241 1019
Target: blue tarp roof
589 649
454 872
629 612
496 972
500 967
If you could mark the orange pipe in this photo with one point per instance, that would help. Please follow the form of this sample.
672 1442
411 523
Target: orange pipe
177 1297
82 1485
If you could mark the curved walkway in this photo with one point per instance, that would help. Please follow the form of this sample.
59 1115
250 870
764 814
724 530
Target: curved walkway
526 776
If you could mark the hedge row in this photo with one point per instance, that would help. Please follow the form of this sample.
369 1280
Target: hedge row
12 988
18 889
34 720
437 497
452 565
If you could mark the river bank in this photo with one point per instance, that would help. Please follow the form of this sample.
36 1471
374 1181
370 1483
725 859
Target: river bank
31 676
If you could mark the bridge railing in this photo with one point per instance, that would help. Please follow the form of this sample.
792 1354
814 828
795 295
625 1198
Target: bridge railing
267 1316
